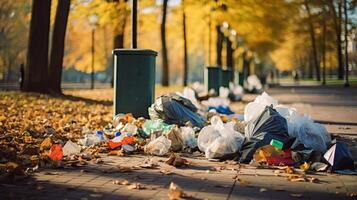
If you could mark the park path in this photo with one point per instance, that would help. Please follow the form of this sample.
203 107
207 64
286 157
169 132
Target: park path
204 179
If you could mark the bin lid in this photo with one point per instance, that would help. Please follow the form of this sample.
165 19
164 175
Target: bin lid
134 52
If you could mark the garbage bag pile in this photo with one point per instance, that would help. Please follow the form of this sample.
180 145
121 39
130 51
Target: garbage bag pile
267 134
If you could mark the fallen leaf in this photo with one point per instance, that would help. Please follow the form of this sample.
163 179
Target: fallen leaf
124 169
242 182
313 180
135 186
46 144
305 166
175 192
176 161
121 182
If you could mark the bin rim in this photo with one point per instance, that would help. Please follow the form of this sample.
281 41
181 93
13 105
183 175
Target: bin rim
134 52
213 67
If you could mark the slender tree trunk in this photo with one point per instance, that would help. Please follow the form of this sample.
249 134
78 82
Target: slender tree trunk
337 19
165 60
229 57
57 49
313 41
92 64
36 71
219 45
311 71
323 49
118 31
185 57
347 84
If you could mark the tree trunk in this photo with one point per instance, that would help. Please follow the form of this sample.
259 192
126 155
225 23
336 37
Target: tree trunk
219 45
323 46
165 61
311 71
230 57
185 57
92 64
118 31
337 18
37 54
313 41
58 42
347 84
246 66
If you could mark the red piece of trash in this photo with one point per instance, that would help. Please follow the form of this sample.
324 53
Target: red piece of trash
56 152
126 140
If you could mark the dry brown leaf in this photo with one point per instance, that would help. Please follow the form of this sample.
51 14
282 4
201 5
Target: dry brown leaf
175 192
242 182
46 144
135 186
121 182
124 169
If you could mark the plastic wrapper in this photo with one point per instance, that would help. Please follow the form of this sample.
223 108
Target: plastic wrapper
157 125
71 148
159 146
176 139
188 137
218 139
175 109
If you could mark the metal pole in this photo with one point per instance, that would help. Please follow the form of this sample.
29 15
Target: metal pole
347 84
92 73
134 24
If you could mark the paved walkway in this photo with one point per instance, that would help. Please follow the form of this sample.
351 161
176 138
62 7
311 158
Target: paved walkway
203 179
200 180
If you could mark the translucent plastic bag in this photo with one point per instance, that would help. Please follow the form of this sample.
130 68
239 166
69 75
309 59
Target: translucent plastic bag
253 109
159 146
188 137
312 135
219 139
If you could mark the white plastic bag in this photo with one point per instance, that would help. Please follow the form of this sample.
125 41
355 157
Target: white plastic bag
159 146
219 139
216 101
253 109
189 94
188 136
223 92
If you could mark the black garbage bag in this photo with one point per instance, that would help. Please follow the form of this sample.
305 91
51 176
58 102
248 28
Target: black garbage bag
339 157
269 125
175 109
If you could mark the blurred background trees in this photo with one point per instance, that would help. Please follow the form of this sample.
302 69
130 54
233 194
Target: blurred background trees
249 36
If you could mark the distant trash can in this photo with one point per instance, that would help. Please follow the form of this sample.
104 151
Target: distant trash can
212 78
134 81
227 75
240 79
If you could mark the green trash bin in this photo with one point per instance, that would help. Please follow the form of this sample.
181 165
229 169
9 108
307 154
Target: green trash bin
212 78
134 81
226 77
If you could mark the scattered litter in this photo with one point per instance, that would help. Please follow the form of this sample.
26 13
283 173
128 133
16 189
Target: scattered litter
160 146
